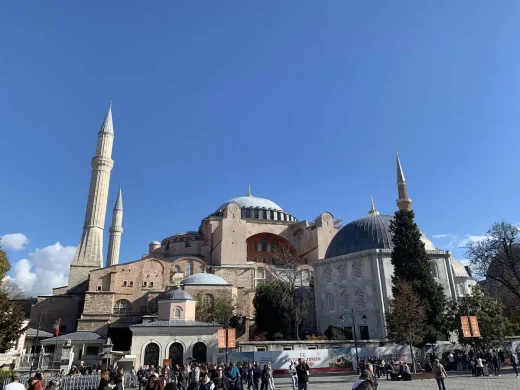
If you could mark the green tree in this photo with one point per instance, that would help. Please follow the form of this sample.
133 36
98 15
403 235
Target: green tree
406 319
11 316
220 311
412 264
335 333
271 314
494 327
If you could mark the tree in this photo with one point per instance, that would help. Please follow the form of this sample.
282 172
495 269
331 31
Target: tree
406 319
11 316
220 311
12 290
297 296
497 258
494 327
412 264
335 333
271 315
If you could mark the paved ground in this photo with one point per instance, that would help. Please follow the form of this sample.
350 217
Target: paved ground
459 382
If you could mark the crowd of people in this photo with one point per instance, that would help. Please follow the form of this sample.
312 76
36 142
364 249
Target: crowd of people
34 383
240 376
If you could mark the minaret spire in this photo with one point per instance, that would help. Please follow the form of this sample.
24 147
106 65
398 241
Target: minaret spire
249 190
404 202
89 254
116 230
373 210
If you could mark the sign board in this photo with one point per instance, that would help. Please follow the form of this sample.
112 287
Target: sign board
231 338
167 362
221 334
466 330
473 321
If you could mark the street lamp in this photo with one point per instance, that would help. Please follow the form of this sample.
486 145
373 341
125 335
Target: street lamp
364 318
226 327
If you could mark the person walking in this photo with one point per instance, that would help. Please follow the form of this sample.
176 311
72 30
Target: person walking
292 373
440 374
15 383
514 362
302 372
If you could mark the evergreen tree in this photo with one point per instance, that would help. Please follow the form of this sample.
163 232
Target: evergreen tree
412 264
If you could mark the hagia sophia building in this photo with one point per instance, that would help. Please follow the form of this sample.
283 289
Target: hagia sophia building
230 255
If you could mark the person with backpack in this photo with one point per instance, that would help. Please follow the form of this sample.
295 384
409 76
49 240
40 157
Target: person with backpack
440 374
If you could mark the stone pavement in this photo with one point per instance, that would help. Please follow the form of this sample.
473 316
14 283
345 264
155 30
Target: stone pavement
459 382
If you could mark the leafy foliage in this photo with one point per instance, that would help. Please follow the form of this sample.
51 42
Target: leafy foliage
11 316
497 258
494 327
272 315
412 264
221 311
335 333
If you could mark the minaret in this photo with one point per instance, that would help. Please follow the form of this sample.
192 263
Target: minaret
116 230
404 202
89 254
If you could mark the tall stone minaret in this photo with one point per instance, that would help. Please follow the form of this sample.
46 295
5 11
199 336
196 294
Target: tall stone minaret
89 254
116 230
404 202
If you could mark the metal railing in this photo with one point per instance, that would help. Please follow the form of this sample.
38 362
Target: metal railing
77 382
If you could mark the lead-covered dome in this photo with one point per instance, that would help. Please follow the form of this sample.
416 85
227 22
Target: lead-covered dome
370 232
176 294
252 201
204 279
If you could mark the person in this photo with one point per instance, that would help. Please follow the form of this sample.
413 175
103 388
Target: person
302 372
119 380
15 383
195 376
363 382
249 372
292 373
219 379
479 366
270 379
257 373
31 381
170 386
104 381
496 364
38 382
369 369
52 385
264 378
514 362
207 384
405 372
183 377
440 374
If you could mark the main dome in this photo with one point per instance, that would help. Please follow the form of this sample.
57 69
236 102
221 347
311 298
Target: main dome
252 201
370 232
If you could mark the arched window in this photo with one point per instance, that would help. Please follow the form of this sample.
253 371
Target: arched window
328 275
331 303
177 313
202 269
345 301
435 270
123 307
176 353
189 268
177 269
199 352
208 300
343 272
151 355
361 299
357 269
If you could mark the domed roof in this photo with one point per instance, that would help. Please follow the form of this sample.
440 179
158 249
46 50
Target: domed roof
458 268
252 201
370 232
176 294
204 278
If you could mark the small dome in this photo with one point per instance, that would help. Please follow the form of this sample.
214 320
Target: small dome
458 268
176 294
204 279
155 243
370 232
252 201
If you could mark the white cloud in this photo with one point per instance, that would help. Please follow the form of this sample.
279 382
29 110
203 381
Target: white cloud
14 241
442 236
45 269
470 239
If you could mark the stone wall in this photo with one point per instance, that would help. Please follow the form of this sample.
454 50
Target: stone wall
68 308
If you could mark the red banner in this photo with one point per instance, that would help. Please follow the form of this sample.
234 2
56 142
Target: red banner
231 338
221 338
473 321
466 330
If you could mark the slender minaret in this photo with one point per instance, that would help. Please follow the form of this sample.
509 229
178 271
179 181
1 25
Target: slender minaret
116 230
89 254
404 202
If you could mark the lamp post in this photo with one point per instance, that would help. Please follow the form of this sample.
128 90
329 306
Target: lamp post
226 327
364 318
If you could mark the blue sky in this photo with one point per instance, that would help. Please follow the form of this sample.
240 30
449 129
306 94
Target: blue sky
306 101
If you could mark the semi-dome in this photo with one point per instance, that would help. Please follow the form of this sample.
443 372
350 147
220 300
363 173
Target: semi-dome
458 268
204 279
370 232
252 201
176 294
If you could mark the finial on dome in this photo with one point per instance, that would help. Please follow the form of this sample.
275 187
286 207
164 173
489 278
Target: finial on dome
373 210
249 190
